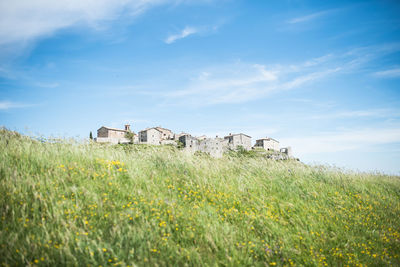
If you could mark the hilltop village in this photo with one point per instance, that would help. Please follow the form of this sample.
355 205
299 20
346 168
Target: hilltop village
213 146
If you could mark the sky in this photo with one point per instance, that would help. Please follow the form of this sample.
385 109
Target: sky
320 76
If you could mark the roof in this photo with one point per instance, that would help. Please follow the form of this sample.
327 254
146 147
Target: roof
239 134
189 136
182 133
158 128
268 138
114 129
155 128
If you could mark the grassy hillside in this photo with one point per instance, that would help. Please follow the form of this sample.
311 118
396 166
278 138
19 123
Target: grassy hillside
71 204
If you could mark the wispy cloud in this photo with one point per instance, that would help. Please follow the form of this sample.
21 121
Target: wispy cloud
309 17
24 21
6 105
183 34
369 113
241 82
227 84
352 139
391 73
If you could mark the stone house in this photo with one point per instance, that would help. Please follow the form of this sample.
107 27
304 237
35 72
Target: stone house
237 140
287 151
190 143
177 136
155 135
268 144
213 146
166 134
112 135
202 137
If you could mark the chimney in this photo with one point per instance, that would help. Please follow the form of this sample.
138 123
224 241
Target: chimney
127 127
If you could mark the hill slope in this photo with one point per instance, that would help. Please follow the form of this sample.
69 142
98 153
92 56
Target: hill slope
74 204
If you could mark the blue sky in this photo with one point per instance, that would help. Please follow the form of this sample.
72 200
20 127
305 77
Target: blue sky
320 76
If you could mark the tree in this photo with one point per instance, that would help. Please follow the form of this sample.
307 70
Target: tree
91 135
130 135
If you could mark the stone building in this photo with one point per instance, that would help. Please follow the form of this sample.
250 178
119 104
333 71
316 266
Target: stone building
190 143
112 135
268 144
177 136
155 136
166 134
287 151
202 137
213 146
237 140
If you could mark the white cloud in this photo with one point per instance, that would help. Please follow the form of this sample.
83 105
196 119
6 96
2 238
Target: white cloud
317 61
5 105
371 113
392 73
183 34
24 21
342 141
308 17
241 82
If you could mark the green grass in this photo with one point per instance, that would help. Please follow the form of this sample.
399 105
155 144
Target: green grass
72 204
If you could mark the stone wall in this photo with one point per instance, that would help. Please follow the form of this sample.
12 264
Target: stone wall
212 146
102 132
116 134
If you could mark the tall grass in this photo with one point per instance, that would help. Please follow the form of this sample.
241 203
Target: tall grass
74 204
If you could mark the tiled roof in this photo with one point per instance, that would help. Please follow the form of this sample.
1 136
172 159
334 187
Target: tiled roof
114 129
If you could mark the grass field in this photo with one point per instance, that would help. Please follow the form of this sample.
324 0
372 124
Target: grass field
73 204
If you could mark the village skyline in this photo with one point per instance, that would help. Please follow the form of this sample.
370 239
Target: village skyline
214 146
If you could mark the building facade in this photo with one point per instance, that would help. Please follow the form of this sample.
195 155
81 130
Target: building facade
112 135
238 140
215 147
268 144
166 134
287 151
190 143
151 136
